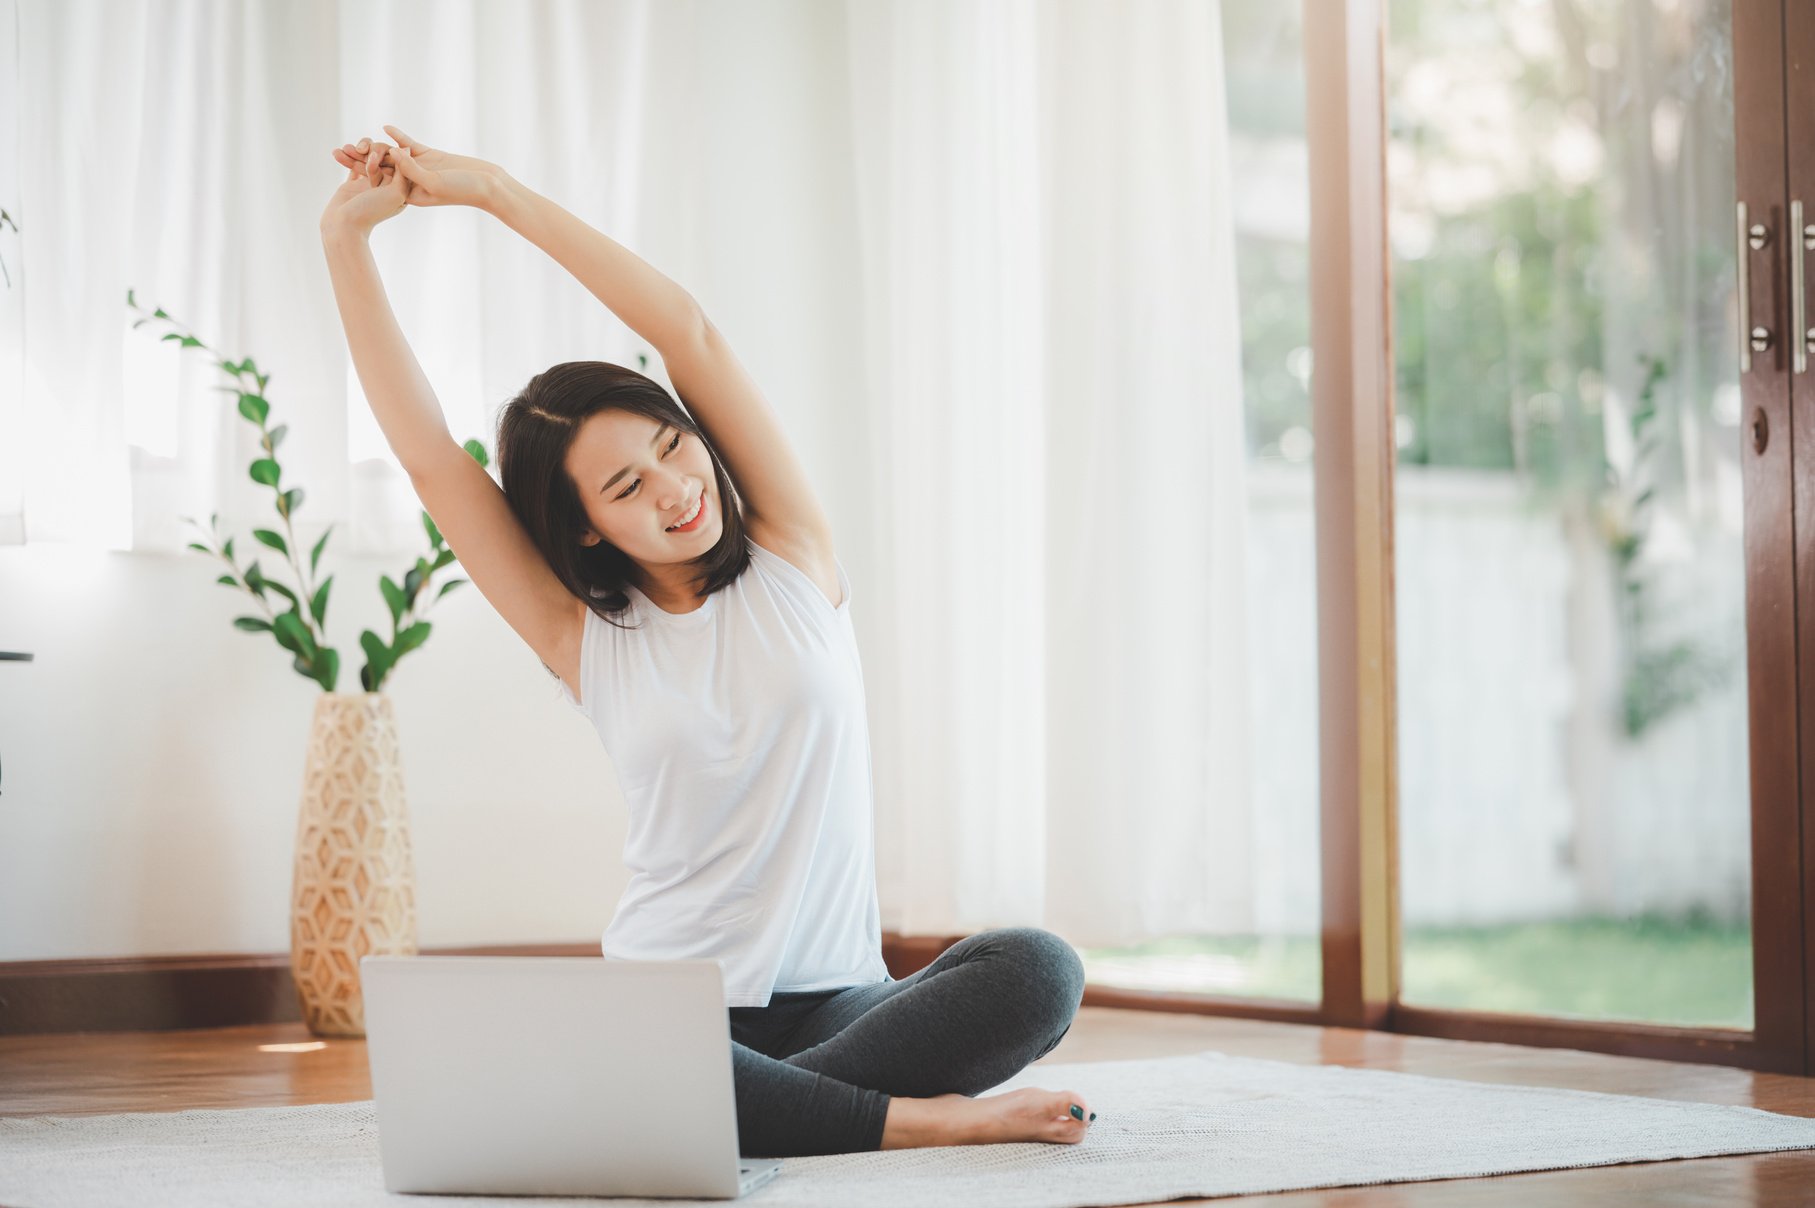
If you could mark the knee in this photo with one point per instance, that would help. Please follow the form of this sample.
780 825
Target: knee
1051 970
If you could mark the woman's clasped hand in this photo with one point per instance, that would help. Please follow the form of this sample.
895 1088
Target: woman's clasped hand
373 191
436 177
383 178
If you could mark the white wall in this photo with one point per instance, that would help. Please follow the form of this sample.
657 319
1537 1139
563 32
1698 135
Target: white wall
153 762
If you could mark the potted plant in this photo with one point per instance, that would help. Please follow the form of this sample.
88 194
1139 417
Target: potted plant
353 891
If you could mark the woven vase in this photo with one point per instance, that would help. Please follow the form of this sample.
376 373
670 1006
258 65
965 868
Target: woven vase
354 892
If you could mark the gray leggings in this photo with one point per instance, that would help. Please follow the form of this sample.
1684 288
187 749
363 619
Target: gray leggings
815 1070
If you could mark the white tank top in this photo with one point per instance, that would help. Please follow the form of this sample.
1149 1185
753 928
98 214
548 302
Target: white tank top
741 741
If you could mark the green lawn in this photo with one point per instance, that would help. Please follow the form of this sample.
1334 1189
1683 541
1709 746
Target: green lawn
1671 971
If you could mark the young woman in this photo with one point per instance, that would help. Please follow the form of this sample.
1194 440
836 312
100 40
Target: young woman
733 707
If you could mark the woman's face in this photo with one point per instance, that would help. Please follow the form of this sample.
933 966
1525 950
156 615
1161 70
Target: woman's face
638 477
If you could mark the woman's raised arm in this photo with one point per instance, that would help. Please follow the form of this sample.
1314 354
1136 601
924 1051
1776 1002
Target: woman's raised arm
654 306
395 387
665 315
713 385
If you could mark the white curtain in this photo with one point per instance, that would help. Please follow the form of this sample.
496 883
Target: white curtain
180 148
1048 501
1053 361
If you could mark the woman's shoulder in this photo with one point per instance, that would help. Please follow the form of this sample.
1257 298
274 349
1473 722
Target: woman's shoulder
815 560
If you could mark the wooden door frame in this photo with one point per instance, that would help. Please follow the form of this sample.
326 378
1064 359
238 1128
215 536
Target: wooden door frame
1795 394
1352 433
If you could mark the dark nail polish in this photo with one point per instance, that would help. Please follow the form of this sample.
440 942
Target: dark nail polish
1077 1112
1093 1115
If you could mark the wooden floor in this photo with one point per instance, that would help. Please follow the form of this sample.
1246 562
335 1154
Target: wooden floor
249 1067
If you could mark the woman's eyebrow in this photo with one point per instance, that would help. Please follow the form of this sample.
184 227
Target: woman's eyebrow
653 441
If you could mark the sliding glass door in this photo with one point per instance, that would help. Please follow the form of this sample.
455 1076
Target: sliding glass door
1574 790
1602 509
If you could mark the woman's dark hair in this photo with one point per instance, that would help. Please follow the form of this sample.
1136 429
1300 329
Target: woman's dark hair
535 430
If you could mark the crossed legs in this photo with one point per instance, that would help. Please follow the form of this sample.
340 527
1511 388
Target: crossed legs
815 1072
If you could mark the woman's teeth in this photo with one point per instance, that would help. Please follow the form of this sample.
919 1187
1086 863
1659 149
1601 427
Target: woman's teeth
698 505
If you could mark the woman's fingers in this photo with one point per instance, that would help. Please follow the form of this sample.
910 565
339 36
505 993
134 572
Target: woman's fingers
413 173
376 156
404 140
368 156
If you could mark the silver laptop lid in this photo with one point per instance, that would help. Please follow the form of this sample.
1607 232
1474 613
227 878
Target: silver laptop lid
551 1075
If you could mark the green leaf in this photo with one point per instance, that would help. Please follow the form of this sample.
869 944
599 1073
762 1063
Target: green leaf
169 335
434 533
294 634
159 313
266 472
291 500
255 579
196 545
412 583
393 595
129 300
318 605
286 637
378 660
279 588
254 408
276 436
228 549
476 451
229 580
412 637
304 666
315 554
450 585
274 540
191 342
252 624
328 668
446 556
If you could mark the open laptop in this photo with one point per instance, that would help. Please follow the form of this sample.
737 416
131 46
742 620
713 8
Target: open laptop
511 1075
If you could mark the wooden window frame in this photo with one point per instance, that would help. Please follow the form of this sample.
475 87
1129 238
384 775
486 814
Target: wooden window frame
1352 403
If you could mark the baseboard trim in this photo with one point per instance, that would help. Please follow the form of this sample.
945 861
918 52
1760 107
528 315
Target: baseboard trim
167 993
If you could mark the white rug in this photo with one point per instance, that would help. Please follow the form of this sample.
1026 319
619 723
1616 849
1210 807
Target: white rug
1203 1125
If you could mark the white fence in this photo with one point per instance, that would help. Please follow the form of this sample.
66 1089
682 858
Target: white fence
1520 794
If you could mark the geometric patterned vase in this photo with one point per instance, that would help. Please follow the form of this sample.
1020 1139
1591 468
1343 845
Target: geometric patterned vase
354 891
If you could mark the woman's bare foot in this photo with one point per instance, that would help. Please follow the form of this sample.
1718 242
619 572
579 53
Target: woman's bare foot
1024 1115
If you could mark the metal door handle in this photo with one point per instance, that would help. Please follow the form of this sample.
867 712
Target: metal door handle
1799 340
1755 236
1745 292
